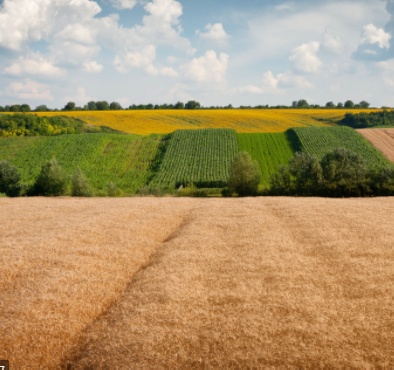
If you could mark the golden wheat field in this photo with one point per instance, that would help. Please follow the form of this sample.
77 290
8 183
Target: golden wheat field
196 283
146 122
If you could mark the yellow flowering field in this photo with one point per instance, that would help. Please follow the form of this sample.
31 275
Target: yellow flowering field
145 122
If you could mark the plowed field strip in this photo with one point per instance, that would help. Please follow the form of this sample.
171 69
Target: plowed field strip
382 139
257 283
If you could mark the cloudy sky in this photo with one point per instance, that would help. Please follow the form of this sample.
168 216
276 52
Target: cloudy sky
219 52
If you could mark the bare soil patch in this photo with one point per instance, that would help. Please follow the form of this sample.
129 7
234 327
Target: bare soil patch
170 282
382 139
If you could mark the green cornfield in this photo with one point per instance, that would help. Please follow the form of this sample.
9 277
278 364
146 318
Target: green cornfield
318 141
201 157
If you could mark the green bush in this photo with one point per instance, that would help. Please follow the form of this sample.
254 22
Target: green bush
79 184
244 175
52 180
9 179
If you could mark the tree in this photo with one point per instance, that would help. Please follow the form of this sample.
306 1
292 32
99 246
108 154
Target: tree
244 174
102 105
349 104
25 108
41 108
340 105
306 172
79 184
302 104
192 104
52 180
115 106
330 104
364 104
9 179
91 105
179 105
344 171
69 106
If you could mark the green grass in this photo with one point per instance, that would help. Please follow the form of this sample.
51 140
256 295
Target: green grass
269 150
201 157
319 141
124 160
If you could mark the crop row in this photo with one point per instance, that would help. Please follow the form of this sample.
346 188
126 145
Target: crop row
320 141
200 157
103 158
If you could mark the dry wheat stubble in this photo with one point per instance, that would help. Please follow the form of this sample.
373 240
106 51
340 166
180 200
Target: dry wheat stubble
202 283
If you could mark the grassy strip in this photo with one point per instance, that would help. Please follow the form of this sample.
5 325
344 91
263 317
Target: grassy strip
270 151
124 160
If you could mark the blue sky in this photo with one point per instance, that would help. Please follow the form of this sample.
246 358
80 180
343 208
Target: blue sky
219 52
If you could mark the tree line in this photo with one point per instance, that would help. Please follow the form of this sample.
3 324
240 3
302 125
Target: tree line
340 173
365 120
104 105
19 124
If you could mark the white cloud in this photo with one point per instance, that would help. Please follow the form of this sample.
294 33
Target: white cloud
332 43
33 20
73 53
305 57
35 64
123 4
168 71
92 67
250 89
29 89
208 67
214 32
78 33
143 59
372 35
275 84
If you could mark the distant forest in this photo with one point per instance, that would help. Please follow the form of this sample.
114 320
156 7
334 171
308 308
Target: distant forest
191 104
365 120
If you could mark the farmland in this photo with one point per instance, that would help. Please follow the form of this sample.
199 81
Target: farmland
121 159
201 157
320 141
270 151
196 283
147 122
382 139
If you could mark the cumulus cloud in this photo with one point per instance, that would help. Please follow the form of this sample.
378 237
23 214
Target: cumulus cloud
332 43
123 4
250 89
274 84
29 89
214 32
35 64
143 58
375 36
209 67
33 20
305 57
92 67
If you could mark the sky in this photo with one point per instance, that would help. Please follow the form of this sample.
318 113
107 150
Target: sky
218 52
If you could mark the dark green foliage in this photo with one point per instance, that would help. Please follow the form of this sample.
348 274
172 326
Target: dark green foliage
340 173
201 157
9 179
69 106
79 184
192 104
365 120
52 180
244 175
34 125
